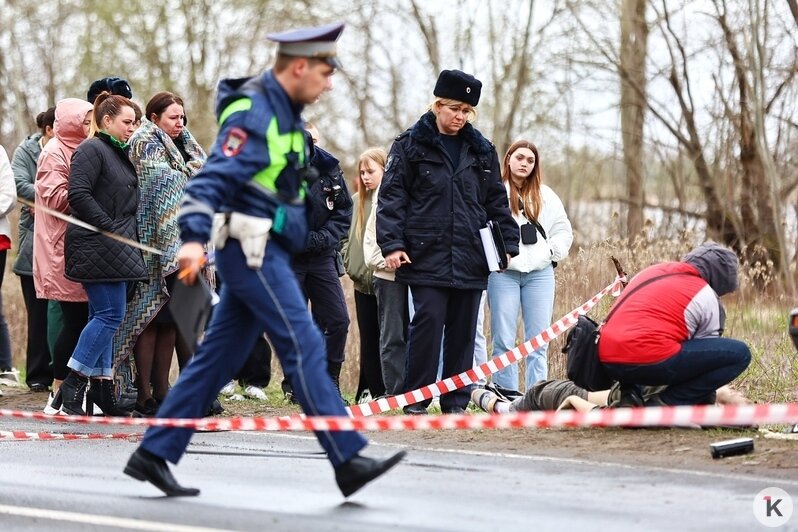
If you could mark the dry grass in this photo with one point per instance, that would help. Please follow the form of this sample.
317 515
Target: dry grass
755 314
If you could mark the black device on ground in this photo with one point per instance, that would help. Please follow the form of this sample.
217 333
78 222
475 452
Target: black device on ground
731 447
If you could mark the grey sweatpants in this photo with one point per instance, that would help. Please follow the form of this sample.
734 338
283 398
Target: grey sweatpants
547 395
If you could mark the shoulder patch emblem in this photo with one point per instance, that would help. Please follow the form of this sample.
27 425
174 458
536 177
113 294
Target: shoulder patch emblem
234 142
389 163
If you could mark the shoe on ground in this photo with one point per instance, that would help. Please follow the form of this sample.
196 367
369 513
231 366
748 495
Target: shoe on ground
365 397
655 400
53 405
629 399
215 409
415 410
10 378
253 392
360 470
148 409
484 399
454 410
145 466
288 392
228 389
39 387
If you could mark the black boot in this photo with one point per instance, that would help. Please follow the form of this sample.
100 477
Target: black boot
101 393
144 465
334 370
359 471
73 390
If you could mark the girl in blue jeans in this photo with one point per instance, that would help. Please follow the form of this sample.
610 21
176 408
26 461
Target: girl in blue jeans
103 191
528 283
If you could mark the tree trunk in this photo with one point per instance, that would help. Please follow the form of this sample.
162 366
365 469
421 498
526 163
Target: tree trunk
634 39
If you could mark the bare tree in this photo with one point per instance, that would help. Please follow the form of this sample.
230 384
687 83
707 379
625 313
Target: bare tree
633 50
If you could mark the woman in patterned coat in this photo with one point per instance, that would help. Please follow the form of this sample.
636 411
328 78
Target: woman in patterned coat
165 156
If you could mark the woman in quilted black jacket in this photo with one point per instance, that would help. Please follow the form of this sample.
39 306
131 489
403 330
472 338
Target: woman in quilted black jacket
103 191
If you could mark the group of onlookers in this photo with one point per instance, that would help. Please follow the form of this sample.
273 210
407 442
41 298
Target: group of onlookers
93 301
408 239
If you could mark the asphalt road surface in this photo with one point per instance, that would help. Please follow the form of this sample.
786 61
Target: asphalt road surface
268 481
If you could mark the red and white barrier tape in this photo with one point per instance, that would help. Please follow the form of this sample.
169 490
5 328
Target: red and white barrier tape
669 416
488 368
18 435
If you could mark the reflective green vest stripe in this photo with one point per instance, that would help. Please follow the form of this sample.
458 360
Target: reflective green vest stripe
280 145
242 104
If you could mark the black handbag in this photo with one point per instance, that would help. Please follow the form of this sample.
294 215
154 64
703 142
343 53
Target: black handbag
583 365
581 348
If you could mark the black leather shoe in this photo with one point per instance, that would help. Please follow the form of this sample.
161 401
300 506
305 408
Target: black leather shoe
359 471
415 410
630 398
144 465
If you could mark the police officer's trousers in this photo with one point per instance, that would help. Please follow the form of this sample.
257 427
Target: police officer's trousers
252 301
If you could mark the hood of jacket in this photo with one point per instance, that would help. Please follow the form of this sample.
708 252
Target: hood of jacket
717 265
426 132
30 146
69 116
324 161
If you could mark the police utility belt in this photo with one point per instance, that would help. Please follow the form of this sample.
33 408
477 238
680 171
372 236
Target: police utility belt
252 232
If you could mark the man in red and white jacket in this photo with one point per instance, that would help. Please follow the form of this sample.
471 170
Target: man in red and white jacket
667 331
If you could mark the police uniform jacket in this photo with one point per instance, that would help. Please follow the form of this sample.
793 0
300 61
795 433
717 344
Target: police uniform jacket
330 207
434 211
256 166
104 192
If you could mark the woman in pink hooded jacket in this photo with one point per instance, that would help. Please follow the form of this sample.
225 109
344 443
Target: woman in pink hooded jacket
72 122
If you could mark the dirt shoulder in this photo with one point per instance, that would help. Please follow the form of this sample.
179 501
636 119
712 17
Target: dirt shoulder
686 449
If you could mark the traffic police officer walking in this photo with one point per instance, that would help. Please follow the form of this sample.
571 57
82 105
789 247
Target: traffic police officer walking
255 177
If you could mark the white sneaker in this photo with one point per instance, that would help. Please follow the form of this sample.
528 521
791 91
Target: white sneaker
10 378
228 389
48 408
253 392
365 397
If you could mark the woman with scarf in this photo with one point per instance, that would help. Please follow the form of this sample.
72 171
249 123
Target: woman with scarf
165 156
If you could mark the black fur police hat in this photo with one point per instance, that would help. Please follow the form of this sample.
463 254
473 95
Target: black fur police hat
113 85
457 85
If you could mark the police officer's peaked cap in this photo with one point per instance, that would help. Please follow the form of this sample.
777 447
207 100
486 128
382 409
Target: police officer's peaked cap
318 42
113 85
457 85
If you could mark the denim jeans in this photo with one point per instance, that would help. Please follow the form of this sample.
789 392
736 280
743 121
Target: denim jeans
480 343
93 353
694 373
533 294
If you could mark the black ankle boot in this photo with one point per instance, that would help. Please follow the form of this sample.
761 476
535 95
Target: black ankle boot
73 390
334 370
101 393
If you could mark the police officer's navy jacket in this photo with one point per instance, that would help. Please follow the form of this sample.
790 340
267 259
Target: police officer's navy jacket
330 207
256 166
434 211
